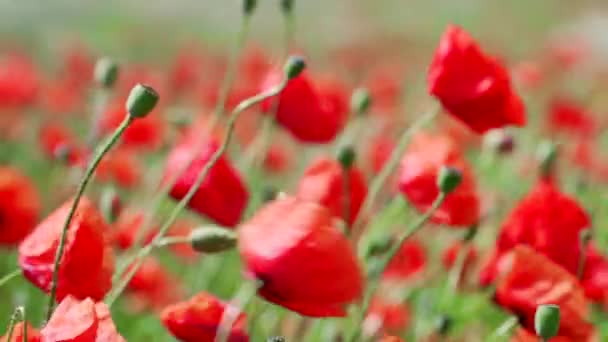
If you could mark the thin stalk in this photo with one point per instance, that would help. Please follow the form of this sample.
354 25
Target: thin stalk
389 167
17 316
375 282
10 277
457 270
139 257
245 293
105 147
505 328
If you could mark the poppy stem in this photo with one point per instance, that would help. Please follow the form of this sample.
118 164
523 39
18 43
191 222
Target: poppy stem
17 316
231 313
389 167
10 277
173 240
505 328
457 270
228 80
137 260
395 248
101 151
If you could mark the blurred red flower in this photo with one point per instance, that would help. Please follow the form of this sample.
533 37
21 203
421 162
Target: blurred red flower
472 86
567 116
56 139
531 280
153 287
19 206
86 267
303 261
81 321
32 334
450 255
222 196
420 166
127 227
550 222
409 261
595 276
144 133
198 319
19 82
390 317
120 167
326 182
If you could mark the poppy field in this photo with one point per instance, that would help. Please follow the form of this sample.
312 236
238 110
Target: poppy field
296 170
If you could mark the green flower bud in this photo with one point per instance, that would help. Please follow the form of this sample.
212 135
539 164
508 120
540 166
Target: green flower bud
380 246
141 101
106 72
443 325
212 239
448 179
287 6
249 6
347 156
269 193
547 157
294 67
360 101
471 233
546 321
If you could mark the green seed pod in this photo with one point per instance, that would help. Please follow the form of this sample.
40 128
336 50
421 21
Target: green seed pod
106 72
212 239
448 179
347 156
294 67
141 100
360 101
546 321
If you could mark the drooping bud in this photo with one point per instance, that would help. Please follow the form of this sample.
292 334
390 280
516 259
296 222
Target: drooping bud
360 101
141 101
110 204
294 67
546 321
212 239
500 141
249 6
448 179
547 157
106 72
347 156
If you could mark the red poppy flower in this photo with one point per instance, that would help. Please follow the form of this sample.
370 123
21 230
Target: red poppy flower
595 277
529 74
222 196
326 182
198 320
420 166
385 87
567 116
153 287
61 96
391 339
523 335
18 82
86 267
278 159
81 321
56 139
548 221
531 280
126 229
450 255
304 262
472 86
380 150
310 115
32 334
186 69
390 317
19 206
145 133
409 261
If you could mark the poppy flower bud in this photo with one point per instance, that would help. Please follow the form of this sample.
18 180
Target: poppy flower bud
212 239
249 6
448 179
106 72
443 325
276 339
141 100
294 67
547 156
380 246
360 101
287 6
585 236
471 233
110 204
62 153
546 321
269 193
499 141
347 156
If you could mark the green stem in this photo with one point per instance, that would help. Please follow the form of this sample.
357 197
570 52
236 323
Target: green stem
80 191
505 328
17 316
174 240
10 277
457 269
375 281
231 312
231 69
138 259
24 319
389 167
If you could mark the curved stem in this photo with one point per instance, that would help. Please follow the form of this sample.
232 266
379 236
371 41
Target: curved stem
375 281
232 311
17 316
138 259
389 167
105 147
10 277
